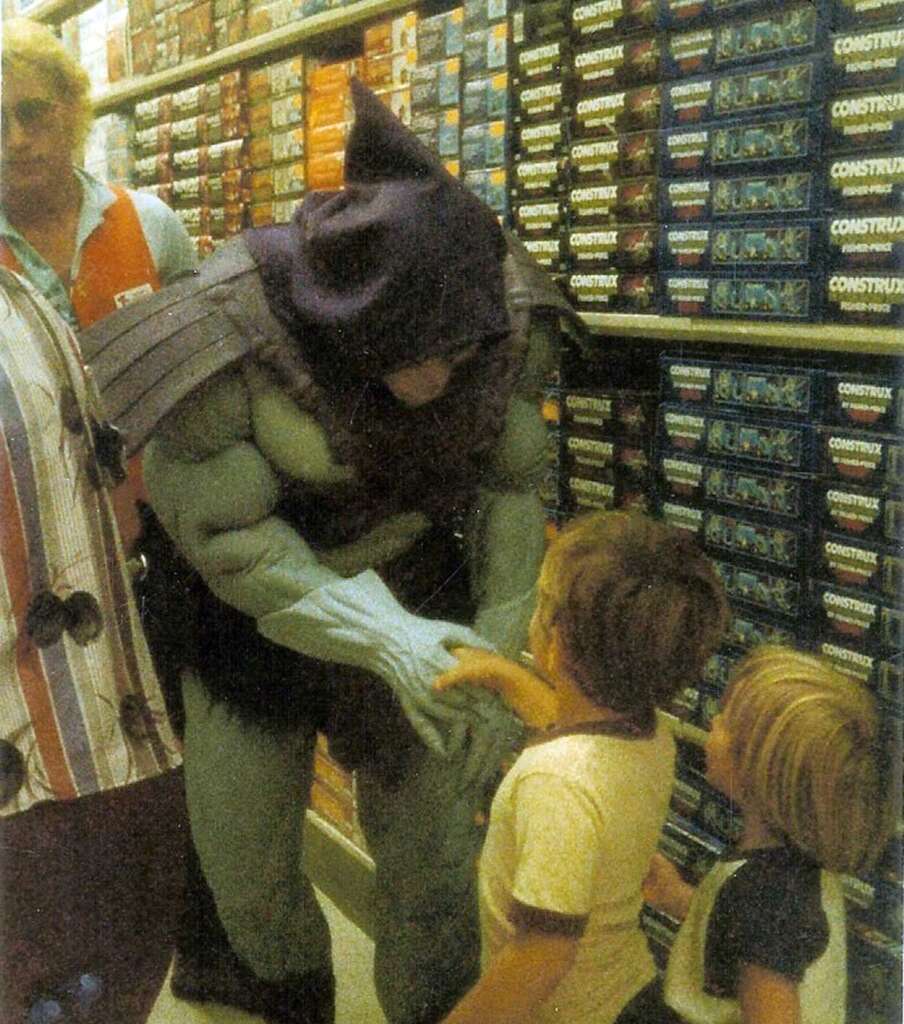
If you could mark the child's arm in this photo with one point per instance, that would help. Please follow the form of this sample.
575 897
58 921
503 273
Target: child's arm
665 889
767 997
521 978
526 694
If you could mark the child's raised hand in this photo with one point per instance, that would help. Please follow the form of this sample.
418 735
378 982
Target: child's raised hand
665 889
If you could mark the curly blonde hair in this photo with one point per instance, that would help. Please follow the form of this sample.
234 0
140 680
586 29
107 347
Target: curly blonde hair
31 46
811 752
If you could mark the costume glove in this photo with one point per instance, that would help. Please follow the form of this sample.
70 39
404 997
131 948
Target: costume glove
357 621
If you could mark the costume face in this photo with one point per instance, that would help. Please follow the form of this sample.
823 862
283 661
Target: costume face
38 138
720 769
426 381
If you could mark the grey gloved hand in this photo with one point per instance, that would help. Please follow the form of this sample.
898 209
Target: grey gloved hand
357 621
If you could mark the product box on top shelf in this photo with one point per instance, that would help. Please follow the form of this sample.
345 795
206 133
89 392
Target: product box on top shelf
856 619
230 30
485 50
768 87
143 47
539 219
629 201
615 292
607 18
614 64
767 444
872 298
782 496
864 402
389 70
791 194
613 112
862 458
625 247
767 142
681 15
483 145
795 297
481 14
866 241
861 513
788 391
196 35
770 33
602 161
543 102
854 14
485 99
440 36
439 131
723 247
882 673
614 413
870 183
865 121
537 22
862 565
325 170
867 59
392 35
548 252
542 62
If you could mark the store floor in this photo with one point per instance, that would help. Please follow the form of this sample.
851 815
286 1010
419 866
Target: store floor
356 1002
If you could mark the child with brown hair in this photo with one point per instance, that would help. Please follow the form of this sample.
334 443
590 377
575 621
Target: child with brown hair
800 750
628 609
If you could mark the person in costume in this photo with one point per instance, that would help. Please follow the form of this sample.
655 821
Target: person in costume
89 248
803 754
93 823
346 447
628 610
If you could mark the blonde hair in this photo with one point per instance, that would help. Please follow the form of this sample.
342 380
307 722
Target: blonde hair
637 605
809 751
31 46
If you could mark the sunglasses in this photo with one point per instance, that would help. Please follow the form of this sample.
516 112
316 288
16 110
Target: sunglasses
32 114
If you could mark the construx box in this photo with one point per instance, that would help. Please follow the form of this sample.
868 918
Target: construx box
624 201
869 182
862 458
853 14
769 141
867 120
861 512
862 565
864 402
722 247
771 33
624 247
795 193
875 298
767 87
792 297
769 591
601 161
871 242
678 15
867 59
613 292
850 617
601 18
611 64
613 112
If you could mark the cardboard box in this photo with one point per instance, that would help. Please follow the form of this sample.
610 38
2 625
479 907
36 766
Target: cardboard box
722 247
795 297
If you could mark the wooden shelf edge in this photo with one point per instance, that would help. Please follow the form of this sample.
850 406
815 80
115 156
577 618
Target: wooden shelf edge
55 11
887 341
281 38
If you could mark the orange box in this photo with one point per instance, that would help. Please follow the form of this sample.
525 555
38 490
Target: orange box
392 34
329 108
327 138
326 170
326 78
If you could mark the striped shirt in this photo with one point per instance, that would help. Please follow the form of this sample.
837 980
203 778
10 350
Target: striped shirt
80 707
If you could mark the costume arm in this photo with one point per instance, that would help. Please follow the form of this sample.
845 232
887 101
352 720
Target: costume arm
767 997
520 979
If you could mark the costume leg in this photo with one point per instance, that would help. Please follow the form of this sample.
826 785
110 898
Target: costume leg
425 841
247 792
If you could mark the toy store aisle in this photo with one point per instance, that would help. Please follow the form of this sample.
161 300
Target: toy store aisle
356 1002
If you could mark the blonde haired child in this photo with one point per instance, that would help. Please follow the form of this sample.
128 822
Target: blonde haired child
628 609
800 750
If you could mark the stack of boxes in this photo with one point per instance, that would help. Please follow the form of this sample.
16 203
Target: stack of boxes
791 479
390 57
108 153
741 189
436 86
866 164
328 117
190 151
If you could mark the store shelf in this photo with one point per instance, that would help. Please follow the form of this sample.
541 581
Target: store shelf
55 11
257 46
886 341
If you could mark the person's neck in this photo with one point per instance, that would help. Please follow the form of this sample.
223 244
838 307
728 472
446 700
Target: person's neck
757 834
576 709
28 212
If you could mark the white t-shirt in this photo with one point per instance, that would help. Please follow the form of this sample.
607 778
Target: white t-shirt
571 833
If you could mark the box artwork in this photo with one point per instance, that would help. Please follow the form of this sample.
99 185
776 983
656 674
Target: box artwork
678 15
614 413
862 565
853 14
612 65
851 617
881 673
775 140
585 494
872 298
870 460
867 120
730 94
613 292
790 391
867 59
870 514
872 183
792 298
485 50
864 403
778 594
613 17
483 145
541 102
747 630
543 62
717 247
778 32
622 247
629 110
543 218
533 178
548 252
870 242
436 85
621 156
714 483
539 22
763 542
541 141
485 99
440 36
796 193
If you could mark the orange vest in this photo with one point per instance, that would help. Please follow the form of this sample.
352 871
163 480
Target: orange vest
116 268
